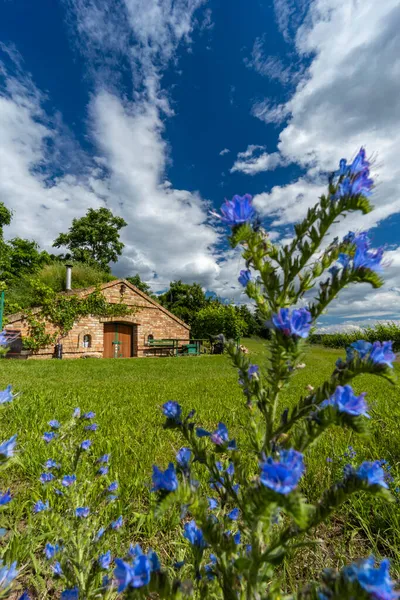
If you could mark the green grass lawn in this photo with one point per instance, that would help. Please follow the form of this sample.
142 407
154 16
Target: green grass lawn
126 396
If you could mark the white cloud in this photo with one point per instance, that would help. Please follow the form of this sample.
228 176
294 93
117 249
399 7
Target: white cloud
272 66
224 151
269 113
249 163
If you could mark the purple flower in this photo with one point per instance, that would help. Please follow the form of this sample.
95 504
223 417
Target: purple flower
46 477
236 538
282 475
7 449
54 424
297 324
344 400
382 354
344 259
359 164
57 570
89 415
103 459
372 473
103 471
68 480
5 498
252 370
194 534
117 524
105 560
375 581
362 347
71 594
48 436
172 410
50 550
51 464
100 533
40 506
368 259
6 395
212 503
234 514
164 480
183 458
244 277
82 512
113 486
7 575
85 445
136 575
237 211
111 497
92 427
220 436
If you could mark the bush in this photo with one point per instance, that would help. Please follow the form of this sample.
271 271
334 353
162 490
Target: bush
216 319
380 332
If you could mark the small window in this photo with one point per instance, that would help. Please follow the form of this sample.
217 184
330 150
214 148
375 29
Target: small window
150 338
87 341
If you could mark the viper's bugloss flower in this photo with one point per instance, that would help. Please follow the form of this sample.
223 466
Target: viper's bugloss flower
57 570
48 436
252 370
183 458
362 347
117 524
40 506
194 534
237 211
282 475
50 550
113 486
51 464
7 574
220 436
212 503
234 514
137 574
297 323
89 415
172 410
5 498
71 594
244 277
82 512
92 427
345 401
372 473
100 533
68 480
6 395
376 581
103 459
368 259
54 424
46 477
105 560
164 480
382 354
85 445
77 413
25 596
102 471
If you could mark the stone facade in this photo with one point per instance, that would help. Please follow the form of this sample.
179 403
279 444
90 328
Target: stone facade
150 318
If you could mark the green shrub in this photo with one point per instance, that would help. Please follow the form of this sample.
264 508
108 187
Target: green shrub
216 319
380 333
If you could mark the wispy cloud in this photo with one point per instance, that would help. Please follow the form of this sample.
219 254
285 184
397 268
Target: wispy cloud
224 151
274 67
252 162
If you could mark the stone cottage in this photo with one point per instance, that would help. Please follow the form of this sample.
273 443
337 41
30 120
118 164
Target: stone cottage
121 337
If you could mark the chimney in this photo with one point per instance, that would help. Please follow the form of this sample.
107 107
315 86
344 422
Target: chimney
68 277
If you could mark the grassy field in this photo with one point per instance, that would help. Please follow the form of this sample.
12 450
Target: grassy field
126 396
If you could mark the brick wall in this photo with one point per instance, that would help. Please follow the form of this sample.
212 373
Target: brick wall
148 319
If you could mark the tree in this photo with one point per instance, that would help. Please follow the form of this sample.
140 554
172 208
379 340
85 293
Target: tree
184 300
215 319
253 326
141 285
94 238
25 257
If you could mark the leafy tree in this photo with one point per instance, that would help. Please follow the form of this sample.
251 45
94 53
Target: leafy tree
141 285
25 257
94 238
253 326
215 319
184 300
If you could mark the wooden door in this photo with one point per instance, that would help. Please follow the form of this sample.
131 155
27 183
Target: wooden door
120 333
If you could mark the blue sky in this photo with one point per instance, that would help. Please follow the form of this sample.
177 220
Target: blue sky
160 109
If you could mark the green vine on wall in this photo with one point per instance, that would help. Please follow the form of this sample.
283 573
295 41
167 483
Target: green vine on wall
62 312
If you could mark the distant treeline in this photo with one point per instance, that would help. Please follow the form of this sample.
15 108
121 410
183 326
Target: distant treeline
378 333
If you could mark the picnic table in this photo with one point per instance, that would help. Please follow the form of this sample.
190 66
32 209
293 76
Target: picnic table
174 347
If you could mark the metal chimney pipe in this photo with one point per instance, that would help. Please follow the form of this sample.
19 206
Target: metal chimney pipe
68 278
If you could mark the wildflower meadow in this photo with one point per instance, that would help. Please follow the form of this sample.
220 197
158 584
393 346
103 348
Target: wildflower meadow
237 500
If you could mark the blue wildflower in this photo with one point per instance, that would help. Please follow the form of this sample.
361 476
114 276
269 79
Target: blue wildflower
244 277
282 475
345 401
362 347
25 596
136 575
77 413
234 514
57 570
7 575
7 449
92 427
135 551
298 323
50 550
183 458
375 581
54 424
103 459
220 436
46 477
113 486
5 498
48 436
111 497
172 410
212 503
165 480
382 354
194 534
6 395
89 415
105 560
71 594
368 259
334 270
40 506
237 211
117 524
372 473
344 260
82 512
236 538
85 445
68 480
103 471
252 371
100 533
51 464
58 492
359 164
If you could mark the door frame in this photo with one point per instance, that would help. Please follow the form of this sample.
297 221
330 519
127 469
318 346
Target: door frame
133 328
